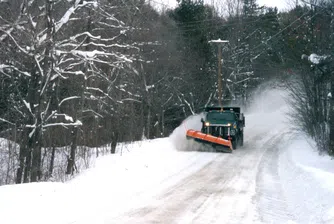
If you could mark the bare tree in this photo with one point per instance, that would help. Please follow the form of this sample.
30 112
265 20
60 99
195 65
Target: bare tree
50 56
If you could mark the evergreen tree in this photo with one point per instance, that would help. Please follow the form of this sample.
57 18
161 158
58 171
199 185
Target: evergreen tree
198 24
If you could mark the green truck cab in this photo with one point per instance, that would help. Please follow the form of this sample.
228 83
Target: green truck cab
225 122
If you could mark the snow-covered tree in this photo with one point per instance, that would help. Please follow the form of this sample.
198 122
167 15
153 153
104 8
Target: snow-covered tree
311 82
65 58
254 49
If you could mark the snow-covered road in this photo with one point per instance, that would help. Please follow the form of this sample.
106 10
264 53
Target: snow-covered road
276 177
242 187
223 191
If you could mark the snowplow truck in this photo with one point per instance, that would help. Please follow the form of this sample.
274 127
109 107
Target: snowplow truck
222 127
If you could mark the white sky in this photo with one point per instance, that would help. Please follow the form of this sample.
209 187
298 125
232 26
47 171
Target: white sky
280 4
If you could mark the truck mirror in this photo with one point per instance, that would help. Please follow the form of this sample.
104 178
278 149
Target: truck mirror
202 120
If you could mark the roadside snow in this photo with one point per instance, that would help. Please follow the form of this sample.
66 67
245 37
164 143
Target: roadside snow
308 181
330 216
304 155
36 203
116 183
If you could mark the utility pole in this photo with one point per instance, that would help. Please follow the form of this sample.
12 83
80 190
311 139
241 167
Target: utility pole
331 95
220 76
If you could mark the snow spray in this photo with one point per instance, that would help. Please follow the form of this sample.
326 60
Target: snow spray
178 137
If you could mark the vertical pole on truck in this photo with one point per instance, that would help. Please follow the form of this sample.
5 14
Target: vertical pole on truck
220 76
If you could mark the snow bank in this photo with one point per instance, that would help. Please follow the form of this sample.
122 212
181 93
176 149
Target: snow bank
127 181
308 181
307 178
115 184
27 203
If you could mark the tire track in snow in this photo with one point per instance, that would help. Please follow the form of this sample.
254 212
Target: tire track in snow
166 184
220 191
191 192
242 187
271 202
234 204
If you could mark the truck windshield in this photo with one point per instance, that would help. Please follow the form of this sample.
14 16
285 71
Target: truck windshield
221 116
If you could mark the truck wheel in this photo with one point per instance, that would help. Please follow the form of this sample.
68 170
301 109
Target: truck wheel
234 144
241 139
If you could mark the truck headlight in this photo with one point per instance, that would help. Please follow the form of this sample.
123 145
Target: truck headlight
207 124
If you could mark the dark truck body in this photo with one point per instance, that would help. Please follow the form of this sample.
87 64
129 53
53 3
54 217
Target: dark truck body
221 126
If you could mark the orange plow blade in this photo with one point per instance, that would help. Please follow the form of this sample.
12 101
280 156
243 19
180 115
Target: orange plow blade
199 136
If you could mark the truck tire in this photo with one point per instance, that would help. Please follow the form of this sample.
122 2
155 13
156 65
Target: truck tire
241 139
235 144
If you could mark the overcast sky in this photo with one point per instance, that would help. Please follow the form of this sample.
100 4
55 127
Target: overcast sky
280 4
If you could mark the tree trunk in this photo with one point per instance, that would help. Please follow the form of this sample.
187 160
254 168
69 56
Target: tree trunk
163 122
114 142
331 100
36 155
31 140
331 118
22 156
36 171
21 164
71 158
148 123
77 110
27 167
142 120
52 161
10 149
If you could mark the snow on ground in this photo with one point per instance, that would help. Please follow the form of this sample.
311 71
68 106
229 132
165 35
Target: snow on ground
128 179
308 181
152 167
142 169
307 177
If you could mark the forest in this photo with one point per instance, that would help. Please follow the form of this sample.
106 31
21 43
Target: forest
78 75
